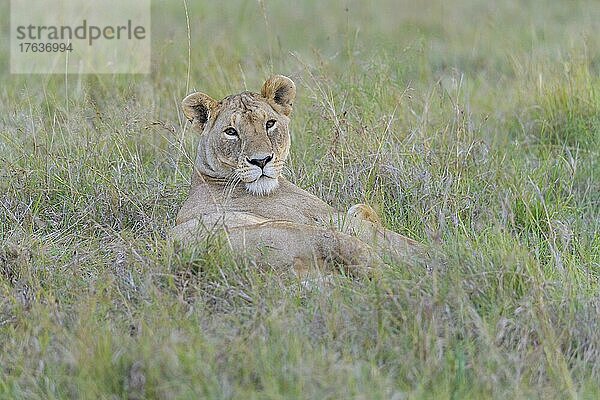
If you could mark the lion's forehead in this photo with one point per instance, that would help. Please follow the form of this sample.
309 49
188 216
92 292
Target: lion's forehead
241 117
241 110
246 102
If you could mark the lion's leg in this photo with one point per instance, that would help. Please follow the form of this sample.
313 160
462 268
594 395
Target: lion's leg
301 246
364 212
286 244
363 222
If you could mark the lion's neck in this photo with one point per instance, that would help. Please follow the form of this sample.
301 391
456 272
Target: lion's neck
223 189
199 178
218 188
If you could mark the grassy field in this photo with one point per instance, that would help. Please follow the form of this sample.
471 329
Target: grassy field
472 127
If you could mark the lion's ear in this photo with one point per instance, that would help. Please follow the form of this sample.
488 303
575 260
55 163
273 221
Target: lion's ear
197 107
280 91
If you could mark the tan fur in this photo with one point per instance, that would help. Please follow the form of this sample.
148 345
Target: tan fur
267 217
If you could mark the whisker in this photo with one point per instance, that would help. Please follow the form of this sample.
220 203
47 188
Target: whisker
234 185
229 180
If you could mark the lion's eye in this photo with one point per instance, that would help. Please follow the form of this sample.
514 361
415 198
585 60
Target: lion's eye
270 123
231 132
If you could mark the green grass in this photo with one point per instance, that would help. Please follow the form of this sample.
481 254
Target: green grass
471 127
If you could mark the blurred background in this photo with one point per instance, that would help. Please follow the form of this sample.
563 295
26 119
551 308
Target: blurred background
471 126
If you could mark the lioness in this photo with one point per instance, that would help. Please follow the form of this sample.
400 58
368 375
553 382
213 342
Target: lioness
237 188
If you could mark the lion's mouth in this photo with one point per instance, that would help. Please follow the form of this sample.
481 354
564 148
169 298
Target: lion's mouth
263 185
256 174
260 180
264 175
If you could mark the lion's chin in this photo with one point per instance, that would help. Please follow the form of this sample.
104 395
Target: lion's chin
262 186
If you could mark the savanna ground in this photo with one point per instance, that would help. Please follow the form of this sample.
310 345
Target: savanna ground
471 127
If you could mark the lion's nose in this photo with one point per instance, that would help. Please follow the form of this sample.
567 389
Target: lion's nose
261 162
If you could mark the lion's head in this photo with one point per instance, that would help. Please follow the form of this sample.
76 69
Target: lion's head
244 136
